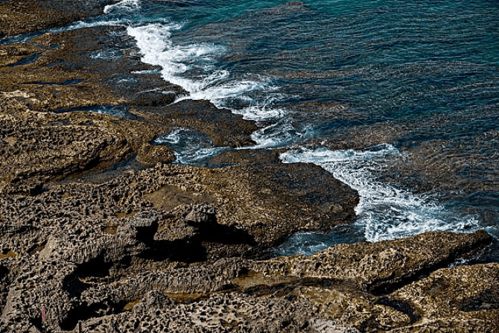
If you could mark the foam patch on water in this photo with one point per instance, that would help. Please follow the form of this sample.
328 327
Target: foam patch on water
109 54
124 5
91 24
190 146
154 42
384 211
275 135
263 109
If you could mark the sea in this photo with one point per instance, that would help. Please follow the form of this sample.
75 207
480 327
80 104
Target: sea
397 99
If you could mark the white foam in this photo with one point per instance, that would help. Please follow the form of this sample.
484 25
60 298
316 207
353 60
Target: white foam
215 85
173 137
157 49
192 147
214 89
91 24
386 212
109 54
275 135
124 5
263 109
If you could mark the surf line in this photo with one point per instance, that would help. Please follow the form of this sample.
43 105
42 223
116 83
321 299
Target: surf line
385 212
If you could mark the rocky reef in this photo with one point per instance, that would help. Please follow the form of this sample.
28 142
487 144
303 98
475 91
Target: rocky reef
101 232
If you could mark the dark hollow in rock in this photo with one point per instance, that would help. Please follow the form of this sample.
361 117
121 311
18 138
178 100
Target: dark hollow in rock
112 110
401 306
486 300
26 60
63 83
84 312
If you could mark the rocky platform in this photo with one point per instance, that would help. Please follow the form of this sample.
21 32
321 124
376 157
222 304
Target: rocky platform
101 232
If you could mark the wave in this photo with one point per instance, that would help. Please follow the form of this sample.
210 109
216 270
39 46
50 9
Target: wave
384 211
157 49
126 5
278 134
214 84
210 83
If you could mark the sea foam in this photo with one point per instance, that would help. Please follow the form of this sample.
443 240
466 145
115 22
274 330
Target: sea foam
126 5
213 84
384 211
190 146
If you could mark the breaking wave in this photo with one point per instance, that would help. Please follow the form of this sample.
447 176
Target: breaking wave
384 211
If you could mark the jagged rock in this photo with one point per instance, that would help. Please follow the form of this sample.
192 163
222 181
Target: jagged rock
463 297
380 267
87 242
201 214
94 281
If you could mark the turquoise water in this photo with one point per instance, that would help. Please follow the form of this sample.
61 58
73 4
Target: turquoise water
409 88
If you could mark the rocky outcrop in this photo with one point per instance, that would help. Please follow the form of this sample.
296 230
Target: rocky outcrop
66 72
38 147
222 126
100 232
53 86
461 297
98 280
228 205
380 267
24 16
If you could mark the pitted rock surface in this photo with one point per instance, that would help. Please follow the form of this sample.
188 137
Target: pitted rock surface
100 232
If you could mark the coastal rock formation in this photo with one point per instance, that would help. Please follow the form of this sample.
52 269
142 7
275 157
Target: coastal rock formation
24 16
37 147
100 280
380 267
68 72
455 297
101 232
239 205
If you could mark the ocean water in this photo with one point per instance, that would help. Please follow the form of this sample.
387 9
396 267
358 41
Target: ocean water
398 99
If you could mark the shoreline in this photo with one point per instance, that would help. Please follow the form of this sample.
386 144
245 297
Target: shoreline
169 247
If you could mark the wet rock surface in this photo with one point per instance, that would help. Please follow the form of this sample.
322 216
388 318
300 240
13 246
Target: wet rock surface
101 232
23 16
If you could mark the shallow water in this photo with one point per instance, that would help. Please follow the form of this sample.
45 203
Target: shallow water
191 147
412 86
113 110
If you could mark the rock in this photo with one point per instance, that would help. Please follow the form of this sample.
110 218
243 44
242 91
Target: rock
461 297
43 147
23 16
297 197
380 267
99 231
224 128
101 288
201 214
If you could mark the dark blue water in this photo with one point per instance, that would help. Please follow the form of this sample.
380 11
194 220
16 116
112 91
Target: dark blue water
398 99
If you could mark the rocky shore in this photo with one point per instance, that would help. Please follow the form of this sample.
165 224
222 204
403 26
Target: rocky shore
102 232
